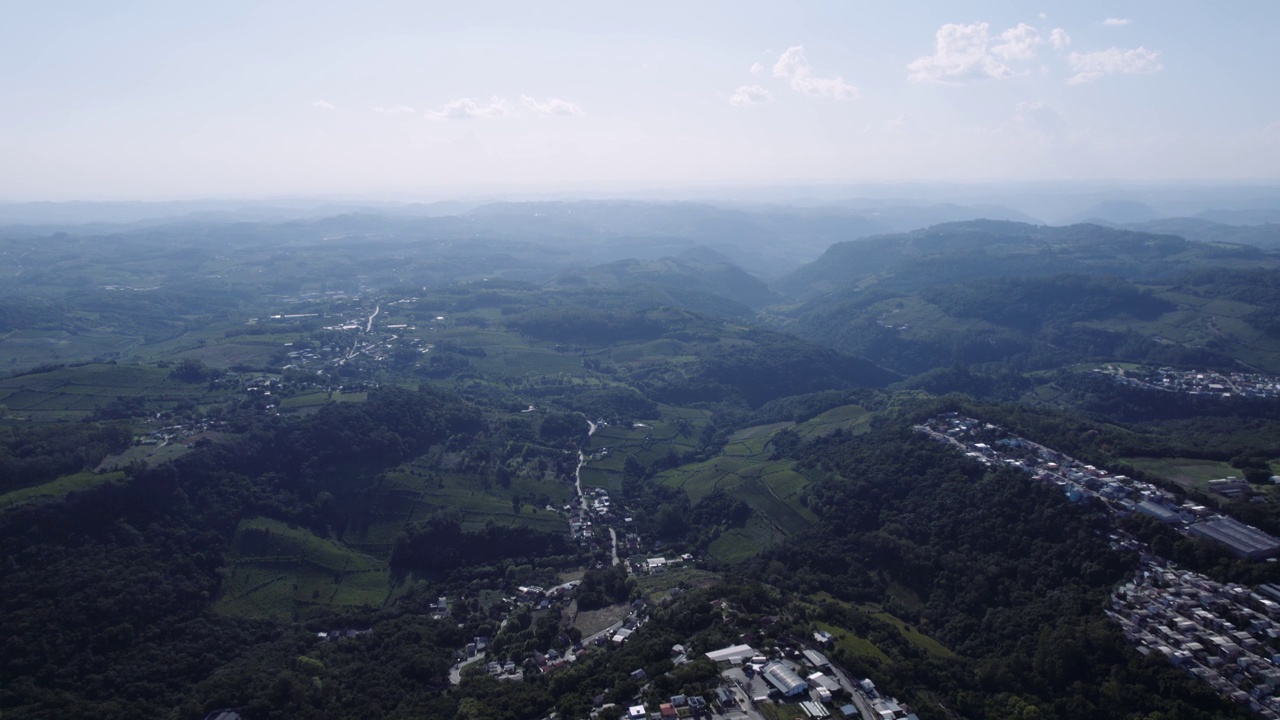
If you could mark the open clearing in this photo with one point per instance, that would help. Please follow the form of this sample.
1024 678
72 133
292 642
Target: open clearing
58 488
280 572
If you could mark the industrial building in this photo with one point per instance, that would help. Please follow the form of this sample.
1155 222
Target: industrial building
1159 512
1243 540
735 654
815 658
784 678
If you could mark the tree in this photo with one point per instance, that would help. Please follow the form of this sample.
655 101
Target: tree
190 370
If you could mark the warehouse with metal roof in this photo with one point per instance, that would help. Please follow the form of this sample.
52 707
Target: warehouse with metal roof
781 676
1244 540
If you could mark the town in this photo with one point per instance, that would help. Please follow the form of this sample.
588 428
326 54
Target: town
1225 635
1121 495
1195 382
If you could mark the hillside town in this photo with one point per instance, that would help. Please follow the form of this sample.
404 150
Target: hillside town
1225 635
1195 382
1120 494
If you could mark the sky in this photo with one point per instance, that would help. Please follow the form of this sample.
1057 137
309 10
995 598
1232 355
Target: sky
428 100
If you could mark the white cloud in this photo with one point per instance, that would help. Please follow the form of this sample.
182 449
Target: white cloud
471 109
1039 117
794 67
1094 65
1059 39
750 95
1115 22
322 104
394 110
756 68
961 53
551 106
1019 43
468 109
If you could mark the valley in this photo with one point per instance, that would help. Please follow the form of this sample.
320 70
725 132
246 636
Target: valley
401 440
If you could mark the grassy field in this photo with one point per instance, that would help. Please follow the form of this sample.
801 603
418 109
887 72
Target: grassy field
281 572
742 543
74 392
853 418
853 644
320 397
1184 470
861 646
22 349
412 492
657 586
59 488
1192 473
150 454
915 637
590 622
676 432
773 488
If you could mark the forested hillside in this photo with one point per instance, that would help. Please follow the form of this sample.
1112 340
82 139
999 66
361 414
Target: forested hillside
357 467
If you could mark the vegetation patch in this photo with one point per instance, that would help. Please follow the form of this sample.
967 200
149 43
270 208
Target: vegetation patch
279 572
55 489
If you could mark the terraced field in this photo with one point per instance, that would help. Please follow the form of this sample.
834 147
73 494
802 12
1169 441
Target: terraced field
280 572
611 445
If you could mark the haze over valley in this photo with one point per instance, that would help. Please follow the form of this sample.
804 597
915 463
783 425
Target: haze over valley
729 361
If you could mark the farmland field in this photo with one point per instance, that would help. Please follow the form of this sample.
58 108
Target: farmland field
277 571
57 488
77 391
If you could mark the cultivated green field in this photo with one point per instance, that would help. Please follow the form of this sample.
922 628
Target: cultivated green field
676 432
772 488
1184 470
1193 473
280 572
58 488
415 491
27 348
74 392
741 543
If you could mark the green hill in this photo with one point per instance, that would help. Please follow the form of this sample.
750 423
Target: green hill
966 251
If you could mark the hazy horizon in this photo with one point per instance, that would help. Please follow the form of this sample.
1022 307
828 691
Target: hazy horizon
151 101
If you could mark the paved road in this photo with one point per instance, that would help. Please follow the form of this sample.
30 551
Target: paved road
606 633
455 672
582 460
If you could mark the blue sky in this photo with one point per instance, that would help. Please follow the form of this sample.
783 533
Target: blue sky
151 100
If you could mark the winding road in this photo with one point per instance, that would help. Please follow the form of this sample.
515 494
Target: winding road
582 499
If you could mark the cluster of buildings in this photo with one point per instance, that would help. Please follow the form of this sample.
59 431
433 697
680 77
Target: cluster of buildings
1226 635
1196 382
676 707
805 678
657 564
593 505
359 337
186 433
1122 495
